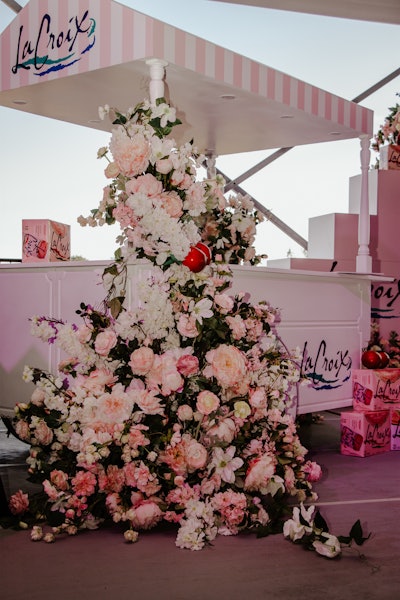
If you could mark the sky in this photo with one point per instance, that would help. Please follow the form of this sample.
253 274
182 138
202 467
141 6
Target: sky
49 169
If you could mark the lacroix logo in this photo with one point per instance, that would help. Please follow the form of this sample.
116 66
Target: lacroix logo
53 49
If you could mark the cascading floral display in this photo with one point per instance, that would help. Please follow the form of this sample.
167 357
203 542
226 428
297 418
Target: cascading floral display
173 407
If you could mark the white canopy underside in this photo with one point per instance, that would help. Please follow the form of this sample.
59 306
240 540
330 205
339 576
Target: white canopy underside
227 103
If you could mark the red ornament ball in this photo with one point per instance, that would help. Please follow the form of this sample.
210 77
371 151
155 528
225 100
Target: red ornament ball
371 359
198 257
384 356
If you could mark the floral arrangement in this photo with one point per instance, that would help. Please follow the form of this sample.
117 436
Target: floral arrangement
390 346
388 133
175 407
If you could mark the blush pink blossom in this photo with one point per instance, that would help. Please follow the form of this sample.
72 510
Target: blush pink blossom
185 412
312 470
148 402
228 364
187 326
84 483
141 360
224 430
207 402
18 503
225 302
59 479
195 454
146 515
115 407
43 434
97 380
105 341
131 155
146 184
172 204
237 326
187 365
22 430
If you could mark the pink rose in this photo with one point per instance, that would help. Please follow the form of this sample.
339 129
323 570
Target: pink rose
111 170
172 204
18 503
207 402
228 364
187 326
146 515
96 381
195 454
38 397
312 470
187 365
105 341
115 407
84 333
22 430
224 302
43 434
185 412
141 360
164 166
237 326
59 479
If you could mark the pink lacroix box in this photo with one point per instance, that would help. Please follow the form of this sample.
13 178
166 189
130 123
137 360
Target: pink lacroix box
375 389
44 240
389 157
365 433
395 428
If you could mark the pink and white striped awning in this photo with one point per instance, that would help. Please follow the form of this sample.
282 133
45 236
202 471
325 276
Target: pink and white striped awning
64 58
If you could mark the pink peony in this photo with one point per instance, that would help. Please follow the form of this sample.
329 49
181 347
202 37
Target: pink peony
224 431
18 503
43 434
228 365
115 407
148 402
105 341
146 515
312 470
146 184
22 430
96 381
187 365
225 302
207 402
141 360
84 483
237 326
131 155
172 204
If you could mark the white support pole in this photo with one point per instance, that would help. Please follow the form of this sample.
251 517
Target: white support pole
211 167
364 260
157 74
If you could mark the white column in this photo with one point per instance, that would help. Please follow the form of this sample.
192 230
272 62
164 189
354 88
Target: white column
157 74
364 260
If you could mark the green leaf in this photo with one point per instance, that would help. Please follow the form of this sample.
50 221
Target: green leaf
320 522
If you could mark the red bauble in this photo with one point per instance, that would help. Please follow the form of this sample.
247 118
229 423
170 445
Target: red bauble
371 359
198 257
206 251
195 260
384 356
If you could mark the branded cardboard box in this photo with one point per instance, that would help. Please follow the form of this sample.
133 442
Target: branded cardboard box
365 433
44 240
395 428
389 157
375 389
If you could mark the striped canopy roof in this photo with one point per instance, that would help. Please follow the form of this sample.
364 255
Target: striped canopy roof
65 58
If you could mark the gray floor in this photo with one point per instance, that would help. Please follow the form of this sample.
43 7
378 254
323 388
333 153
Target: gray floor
99 565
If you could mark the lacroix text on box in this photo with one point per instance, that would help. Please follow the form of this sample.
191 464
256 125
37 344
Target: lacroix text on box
375 389
365 433
44 240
